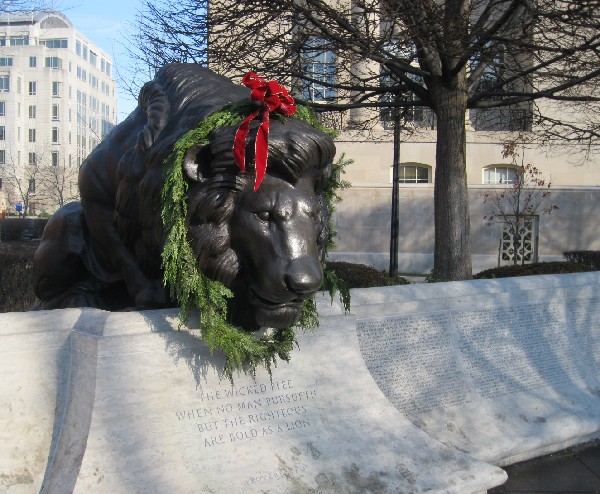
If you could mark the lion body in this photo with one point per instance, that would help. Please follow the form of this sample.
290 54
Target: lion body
106 251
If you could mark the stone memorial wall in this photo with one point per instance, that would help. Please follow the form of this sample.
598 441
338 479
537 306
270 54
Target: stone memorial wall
421 389
505 375
125 403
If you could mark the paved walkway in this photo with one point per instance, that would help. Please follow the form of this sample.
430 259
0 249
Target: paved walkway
573 471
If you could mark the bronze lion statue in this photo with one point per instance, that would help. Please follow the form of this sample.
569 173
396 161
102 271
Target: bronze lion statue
265 245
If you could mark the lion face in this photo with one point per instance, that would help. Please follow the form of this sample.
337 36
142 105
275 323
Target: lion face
274 232
266 246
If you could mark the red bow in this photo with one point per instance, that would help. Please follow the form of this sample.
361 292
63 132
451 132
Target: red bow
273 97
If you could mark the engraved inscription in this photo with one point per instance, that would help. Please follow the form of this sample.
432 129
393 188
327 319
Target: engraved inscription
411 359
515 348
584 318
247 413
425 361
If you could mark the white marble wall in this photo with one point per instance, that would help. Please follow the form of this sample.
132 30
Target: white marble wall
111 403
505 370
423 388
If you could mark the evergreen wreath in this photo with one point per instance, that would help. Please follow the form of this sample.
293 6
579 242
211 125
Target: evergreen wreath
192 289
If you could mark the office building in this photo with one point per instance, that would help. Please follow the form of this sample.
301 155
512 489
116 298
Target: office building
57 102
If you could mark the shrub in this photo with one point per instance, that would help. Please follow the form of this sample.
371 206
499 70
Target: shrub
590 258
558 267
362 276
16 284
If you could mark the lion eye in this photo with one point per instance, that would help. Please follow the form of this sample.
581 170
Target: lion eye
264 215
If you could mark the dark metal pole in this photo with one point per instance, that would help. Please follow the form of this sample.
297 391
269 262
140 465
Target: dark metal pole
395 225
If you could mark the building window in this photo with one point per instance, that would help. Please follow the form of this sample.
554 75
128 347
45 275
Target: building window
19 40
2 161
2 108
32 159
81 74
2 133
55 112
6 61
53 63
55 135
105 66
78 47
32 111
55 43
54 158
4 83
419 116
85 52
56 89
93 58
33 62
19 85
414 173
31 135
32 185
318 64
499 174
32 88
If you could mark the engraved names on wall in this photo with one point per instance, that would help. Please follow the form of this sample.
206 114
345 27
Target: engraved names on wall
431 360
411 359
584 318
514 348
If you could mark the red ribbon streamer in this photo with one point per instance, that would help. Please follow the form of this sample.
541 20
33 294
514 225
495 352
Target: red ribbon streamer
274 98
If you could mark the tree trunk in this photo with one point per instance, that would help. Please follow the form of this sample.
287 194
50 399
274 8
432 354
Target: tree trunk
452 255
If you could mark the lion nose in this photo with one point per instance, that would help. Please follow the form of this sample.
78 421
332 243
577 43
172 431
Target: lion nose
304 277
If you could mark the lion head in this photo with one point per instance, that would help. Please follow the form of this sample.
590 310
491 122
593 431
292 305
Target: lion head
267 246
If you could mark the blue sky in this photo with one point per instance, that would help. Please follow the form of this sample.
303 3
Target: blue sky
104 23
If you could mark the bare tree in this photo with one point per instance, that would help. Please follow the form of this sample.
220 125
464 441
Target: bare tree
506 61
40 184
59 184
21 181
518 204
166 31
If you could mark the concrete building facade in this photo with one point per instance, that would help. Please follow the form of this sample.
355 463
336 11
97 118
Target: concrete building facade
363 218
57 102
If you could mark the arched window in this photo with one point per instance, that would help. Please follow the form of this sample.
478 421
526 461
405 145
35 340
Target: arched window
414 173
499 174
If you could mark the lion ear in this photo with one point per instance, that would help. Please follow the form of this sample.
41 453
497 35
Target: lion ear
191 163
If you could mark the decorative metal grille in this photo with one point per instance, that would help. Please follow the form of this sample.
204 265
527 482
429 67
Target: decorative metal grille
526 246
